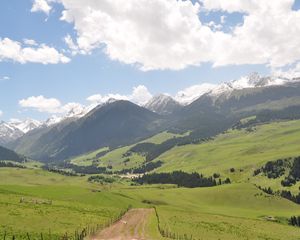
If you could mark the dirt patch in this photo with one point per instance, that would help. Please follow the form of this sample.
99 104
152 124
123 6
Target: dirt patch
131 227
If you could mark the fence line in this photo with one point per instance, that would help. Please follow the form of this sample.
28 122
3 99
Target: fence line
78 234
165 233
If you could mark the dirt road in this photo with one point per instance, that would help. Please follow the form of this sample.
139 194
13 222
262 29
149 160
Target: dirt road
131 227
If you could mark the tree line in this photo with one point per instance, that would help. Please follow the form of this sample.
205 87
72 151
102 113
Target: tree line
284 193
62 167
276 169
146 167
152 150
180 178
295 221
10 165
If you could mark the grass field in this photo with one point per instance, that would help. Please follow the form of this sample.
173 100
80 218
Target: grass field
239 149
236 211
35 201
116 159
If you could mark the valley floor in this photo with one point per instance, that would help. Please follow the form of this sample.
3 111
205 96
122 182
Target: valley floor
38 202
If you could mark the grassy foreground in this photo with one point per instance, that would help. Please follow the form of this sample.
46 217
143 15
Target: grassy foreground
236 211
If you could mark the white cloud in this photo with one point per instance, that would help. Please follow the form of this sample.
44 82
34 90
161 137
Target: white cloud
4 78
13 51
72 46
140 95
291 73
191 93
270 33
30 42
223 19
51 105
158 34
98 98
41 6
168 34
214 26
1 113
42 104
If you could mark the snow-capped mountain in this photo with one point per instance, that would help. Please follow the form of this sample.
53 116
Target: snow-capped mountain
75 111
12 130
162 104
9 133
26 125
254 80
190 94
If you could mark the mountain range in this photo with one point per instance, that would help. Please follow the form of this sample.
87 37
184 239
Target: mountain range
118 123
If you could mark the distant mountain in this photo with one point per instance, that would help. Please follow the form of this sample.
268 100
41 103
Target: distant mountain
6 154
9 132
75 112
117 123
112 124
163 104
254 80
26 125
222 107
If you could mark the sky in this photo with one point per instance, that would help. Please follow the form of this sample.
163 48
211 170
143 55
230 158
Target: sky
56 55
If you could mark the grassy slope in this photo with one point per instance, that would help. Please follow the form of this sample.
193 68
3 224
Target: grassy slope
75 203
233 211
87 159
237 149
236 211
115 157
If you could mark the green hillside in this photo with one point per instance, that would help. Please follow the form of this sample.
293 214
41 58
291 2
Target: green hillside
6 154
116 157
244 150
239 210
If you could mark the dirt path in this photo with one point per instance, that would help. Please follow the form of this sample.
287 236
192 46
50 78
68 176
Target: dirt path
131 227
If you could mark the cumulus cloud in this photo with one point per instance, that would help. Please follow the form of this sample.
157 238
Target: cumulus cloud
30 42
291 73
98 98
168 34
140 95
51 105
157 34
1 113
14 51
42 104
41 6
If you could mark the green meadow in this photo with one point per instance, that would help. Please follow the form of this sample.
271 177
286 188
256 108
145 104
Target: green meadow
240 149
35 201
235 211
116 158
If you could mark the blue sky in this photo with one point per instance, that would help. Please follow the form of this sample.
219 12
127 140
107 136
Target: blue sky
99 72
